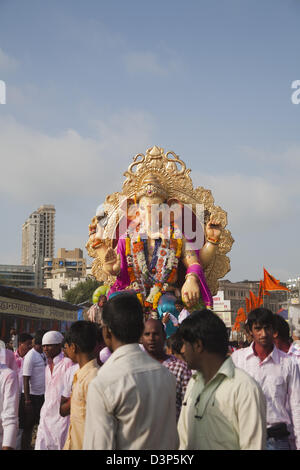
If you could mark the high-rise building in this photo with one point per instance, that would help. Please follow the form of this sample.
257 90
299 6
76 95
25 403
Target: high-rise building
38 239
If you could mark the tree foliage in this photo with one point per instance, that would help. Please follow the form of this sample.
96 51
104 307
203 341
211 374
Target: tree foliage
82 292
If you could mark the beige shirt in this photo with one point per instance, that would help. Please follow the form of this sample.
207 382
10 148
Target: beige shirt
227 413
81 381
131 404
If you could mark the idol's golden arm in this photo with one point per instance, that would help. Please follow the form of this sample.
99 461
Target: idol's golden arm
207 253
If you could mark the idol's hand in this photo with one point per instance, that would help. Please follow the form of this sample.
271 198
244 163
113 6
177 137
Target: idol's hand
190 292
213 229
112 262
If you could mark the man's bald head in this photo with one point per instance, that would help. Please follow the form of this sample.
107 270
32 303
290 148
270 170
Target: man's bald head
155 323
153 337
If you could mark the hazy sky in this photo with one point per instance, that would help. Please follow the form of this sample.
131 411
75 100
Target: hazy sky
92 83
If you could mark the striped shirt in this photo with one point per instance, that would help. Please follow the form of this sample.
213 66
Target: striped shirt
182 374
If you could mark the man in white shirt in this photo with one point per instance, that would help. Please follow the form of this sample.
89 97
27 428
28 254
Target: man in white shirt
32 397
279 378
53 427
131 403
294 350
9 402
224 408
183 312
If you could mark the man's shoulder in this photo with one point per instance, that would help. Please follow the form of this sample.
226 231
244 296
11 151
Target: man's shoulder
125 367
68 362
7 375
289 363
30 355
241 376
243 384
173 363
283 358
241 354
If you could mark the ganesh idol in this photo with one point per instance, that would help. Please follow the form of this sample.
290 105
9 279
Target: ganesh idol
160 237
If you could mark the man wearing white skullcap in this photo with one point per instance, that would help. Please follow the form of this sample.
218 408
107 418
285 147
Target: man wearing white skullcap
53 428
52 337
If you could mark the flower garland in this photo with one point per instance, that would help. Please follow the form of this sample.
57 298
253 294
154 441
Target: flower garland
161 272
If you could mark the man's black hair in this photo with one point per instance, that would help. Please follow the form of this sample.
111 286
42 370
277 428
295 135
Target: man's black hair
39 336
206 326
24 337
281 327
175 343
261 316
84 334
100 339
123 315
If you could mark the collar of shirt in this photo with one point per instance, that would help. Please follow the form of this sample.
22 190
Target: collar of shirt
206 391
81 373
226 369
273 356
123 351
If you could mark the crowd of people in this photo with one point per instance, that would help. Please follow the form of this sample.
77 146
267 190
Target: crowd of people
126 383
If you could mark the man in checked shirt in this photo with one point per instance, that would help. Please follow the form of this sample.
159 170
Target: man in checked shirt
279 377
153 340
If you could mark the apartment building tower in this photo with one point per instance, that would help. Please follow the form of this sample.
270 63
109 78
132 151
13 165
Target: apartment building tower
38 233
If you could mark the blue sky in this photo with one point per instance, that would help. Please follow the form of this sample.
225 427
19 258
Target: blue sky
90 84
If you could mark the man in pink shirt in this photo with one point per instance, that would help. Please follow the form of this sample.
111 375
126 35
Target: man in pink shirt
10 360
294 350
53 428
279 377
283 340
9 403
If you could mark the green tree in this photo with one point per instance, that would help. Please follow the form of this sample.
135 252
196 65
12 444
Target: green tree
83 292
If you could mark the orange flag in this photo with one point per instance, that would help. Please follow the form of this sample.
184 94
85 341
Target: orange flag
247 305
241 317
260 299
253 300
236 327
270 283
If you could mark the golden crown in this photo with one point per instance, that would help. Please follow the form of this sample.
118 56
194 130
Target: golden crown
157 173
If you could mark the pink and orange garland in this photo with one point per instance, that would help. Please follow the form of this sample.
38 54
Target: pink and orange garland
141 279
